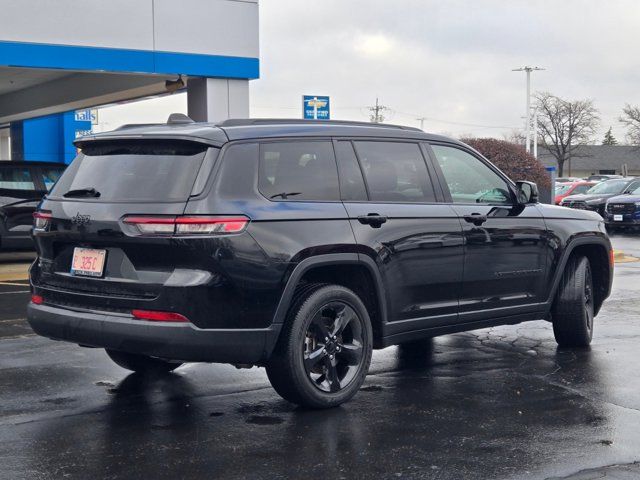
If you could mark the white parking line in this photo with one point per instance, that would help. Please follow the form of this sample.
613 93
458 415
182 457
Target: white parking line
14 284
17 291
12 320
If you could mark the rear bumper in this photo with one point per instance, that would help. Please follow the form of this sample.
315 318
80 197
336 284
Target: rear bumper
627 222
175 341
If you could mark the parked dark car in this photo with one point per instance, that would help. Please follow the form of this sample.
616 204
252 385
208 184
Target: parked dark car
22 186
300 246
623 210
601 177
596 197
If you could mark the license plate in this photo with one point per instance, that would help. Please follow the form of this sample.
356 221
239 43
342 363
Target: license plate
88 261
618 218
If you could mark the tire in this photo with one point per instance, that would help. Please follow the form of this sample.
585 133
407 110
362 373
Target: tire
321 360
141 363
573 309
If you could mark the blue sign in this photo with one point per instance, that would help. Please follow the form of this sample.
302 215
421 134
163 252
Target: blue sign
315 107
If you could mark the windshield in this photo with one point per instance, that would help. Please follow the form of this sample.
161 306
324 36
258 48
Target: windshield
610 186
143 170
560 189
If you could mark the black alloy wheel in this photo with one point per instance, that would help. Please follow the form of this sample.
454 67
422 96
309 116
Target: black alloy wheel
333 347
325 347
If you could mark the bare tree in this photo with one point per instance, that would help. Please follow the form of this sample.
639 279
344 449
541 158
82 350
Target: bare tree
515 136
563 125
631 119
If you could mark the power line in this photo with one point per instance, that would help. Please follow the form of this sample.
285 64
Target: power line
421 118
417 116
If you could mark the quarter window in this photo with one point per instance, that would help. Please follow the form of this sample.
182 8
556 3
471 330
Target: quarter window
469 179
395 172
298 171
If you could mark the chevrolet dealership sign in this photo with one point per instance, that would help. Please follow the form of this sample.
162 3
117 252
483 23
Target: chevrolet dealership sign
315 107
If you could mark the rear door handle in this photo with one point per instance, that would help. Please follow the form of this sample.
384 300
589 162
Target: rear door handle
374 220
476 218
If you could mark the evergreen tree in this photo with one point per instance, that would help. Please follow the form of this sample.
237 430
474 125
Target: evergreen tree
609 139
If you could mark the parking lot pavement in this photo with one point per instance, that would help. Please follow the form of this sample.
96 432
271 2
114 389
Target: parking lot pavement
14 293
496 403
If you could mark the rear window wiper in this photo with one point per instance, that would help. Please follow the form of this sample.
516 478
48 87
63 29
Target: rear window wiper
284 195
82 192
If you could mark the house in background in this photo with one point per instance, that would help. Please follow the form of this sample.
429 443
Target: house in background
597 159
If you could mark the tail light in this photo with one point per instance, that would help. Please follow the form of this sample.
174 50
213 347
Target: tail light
612 258
156 316
41 220
37 299
188 225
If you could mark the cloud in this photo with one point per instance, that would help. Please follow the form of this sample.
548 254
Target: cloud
373 45
449 61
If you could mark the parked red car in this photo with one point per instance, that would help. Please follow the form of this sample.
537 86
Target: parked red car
573 188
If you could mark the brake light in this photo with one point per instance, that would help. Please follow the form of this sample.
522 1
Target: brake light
612 258
188 225
41 220
156 316
37 299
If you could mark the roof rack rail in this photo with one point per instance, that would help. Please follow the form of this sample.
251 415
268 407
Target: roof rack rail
126 126
239 122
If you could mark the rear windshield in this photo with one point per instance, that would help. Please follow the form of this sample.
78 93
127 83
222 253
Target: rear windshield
143 170
50 175
16 178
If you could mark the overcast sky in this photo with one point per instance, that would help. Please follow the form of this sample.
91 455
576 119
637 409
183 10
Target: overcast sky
449 61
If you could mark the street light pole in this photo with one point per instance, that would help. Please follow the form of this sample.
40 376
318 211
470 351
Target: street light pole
535 132
528 125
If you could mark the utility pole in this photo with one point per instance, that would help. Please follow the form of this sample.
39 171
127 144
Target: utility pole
528 124
377 115
535 132
421 119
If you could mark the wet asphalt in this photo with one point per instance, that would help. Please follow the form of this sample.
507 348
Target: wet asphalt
500 403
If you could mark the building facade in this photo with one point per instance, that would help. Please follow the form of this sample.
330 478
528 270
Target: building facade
68 55
597 159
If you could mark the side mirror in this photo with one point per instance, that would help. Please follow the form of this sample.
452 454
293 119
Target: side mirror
527 192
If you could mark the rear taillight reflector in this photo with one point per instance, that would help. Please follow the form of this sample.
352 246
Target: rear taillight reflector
156 316
188 225
37 299
41 220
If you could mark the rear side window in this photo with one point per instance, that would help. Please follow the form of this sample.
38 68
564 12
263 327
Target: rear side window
16 178
395 172
50 175
298 171
143 170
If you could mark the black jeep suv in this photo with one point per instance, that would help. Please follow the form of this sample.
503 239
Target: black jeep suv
300 246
